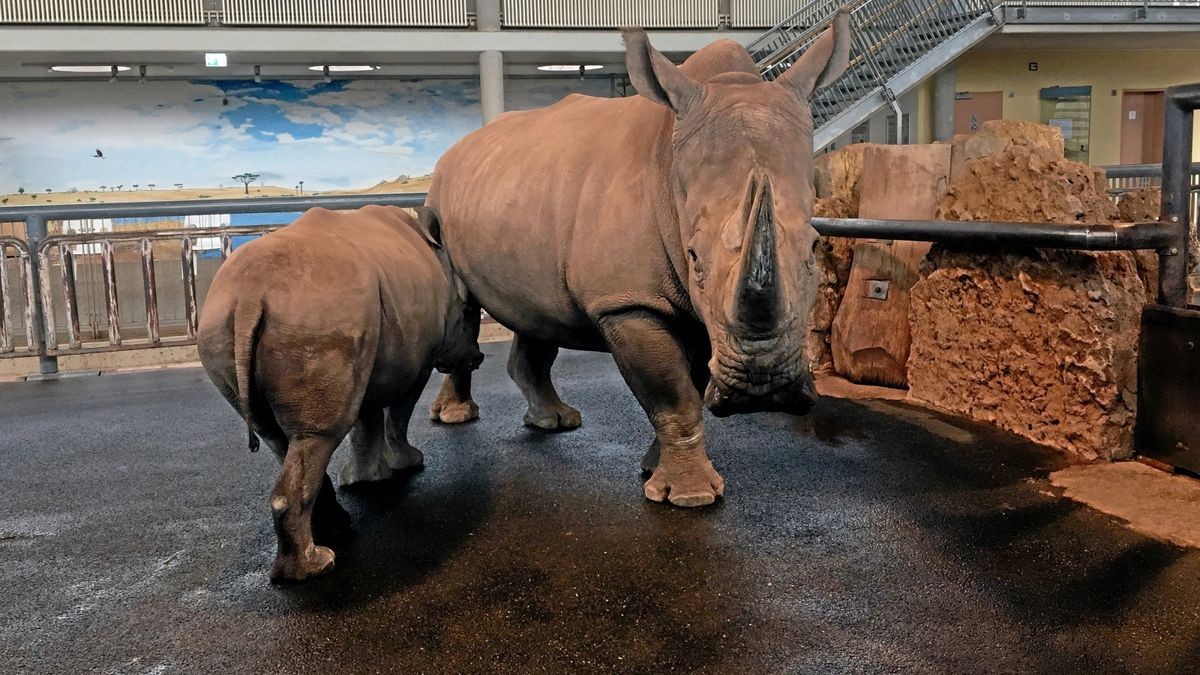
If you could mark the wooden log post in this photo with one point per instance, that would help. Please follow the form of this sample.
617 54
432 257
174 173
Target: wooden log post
871 340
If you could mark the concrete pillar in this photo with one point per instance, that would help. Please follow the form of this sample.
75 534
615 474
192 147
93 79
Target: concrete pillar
943 104
491 84
877 131
487 15
908 104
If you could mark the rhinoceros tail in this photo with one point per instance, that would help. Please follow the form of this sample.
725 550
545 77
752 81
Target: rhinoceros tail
246 321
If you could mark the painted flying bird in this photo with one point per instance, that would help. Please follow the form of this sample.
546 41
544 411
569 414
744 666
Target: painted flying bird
98 154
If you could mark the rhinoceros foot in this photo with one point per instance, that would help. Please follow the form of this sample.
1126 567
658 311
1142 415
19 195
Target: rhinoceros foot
693 483
453 412
560 417
379 466
313 561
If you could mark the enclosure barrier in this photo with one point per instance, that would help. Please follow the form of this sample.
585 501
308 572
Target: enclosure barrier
34 260
24 269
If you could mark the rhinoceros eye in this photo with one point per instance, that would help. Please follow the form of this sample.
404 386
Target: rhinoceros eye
697 268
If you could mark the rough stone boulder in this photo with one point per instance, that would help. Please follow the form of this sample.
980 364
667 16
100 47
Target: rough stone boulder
1027 183
1042 343
996 136
1140 205
837 176
834 256
837 182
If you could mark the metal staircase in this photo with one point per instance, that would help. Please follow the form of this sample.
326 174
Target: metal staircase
896 44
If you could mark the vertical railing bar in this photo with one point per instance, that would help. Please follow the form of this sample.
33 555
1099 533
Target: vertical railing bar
110 292
6 330
29 297
70 295
49 332
188 266
150 286
226 246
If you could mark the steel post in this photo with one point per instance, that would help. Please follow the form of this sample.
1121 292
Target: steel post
1176 192
35 232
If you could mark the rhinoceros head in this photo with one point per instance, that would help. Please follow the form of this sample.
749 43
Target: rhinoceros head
742 177
459 351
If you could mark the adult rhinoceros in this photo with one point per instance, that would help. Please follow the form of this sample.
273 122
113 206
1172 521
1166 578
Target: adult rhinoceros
671 229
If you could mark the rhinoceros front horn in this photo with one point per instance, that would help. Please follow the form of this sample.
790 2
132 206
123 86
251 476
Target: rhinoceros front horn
757 298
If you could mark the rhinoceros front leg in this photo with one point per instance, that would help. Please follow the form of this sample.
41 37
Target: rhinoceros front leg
453 404
379 446
655 365
529 363
401 455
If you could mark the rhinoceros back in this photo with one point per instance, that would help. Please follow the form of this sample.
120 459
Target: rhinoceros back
558 215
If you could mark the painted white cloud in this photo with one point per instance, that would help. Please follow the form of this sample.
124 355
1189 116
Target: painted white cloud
181 132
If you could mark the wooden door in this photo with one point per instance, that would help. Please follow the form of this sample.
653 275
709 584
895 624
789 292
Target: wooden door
972 109
1142 127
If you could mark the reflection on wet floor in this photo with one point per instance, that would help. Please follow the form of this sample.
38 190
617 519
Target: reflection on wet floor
860 538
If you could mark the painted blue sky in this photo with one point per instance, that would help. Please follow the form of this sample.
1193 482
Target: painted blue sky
343 134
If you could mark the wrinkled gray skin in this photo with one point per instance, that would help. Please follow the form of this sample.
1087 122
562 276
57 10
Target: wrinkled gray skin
326 327
671 229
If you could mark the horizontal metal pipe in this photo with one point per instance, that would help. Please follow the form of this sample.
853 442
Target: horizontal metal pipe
200 207
1186 95
153 235
1042 235
1140 170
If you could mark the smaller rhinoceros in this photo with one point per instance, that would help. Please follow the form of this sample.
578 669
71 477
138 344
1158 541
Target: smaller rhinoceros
329 325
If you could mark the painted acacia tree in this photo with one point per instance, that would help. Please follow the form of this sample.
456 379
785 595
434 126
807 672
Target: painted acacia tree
246 179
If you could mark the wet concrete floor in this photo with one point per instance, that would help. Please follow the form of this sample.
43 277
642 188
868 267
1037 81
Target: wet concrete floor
135 538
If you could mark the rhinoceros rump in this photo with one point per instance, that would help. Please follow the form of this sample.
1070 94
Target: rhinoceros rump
329 325
671 229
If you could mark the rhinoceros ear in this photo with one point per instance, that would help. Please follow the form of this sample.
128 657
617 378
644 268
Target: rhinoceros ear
655 77
823 62
429 225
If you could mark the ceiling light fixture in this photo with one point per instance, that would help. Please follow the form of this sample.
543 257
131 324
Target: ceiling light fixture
568 68
88 69
343 69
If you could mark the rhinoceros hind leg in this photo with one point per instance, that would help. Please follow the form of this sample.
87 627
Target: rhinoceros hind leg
330 522
453 404
655 366
529 363
292 505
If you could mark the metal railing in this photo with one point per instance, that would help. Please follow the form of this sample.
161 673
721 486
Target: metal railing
149 12
894 45
42 270
1124 178
22 267
611 13
760 13
432 13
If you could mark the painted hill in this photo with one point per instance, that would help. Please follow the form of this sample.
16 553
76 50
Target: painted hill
414 184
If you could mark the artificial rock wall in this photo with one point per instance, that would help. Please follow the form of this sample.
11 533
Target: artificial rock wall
1041 343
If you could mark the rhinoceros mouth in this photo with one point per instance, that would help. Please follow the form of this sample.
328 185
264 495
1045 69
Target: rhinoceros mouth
760 375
